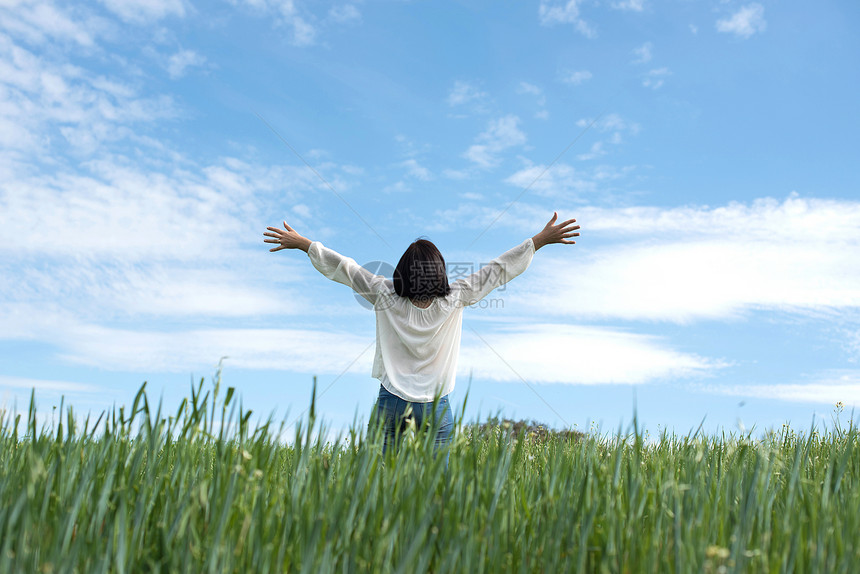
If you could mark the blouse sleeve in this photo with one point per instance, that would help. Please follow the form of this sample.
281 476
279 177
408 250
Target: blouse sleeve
346 271
496 273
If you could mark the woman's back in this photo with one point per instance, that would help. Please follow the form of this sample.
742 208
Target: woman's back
417 348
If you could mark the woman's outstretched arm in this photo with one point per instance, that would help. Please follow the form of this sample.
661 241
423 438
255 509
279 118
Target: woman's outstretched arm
513 262
330 263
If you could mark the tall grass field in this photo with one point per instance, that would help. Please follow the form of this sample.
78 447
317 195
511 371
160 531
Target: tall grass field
203 490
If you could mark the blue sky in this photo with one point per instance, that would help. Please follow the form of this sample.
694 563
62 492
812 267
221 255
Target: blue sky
708 149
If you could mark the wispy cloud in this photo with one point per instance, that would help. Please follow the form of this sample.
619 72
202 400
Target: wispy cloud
413 171
539 353
527 88
304 33
39 21
579 355
655 78
121 211
552 12
397 187
840 386
46 100
501 134
344 13
595 151
614 125
145 11
48 385
562 181
643 53
612 122
465 93
152 291
469 215
179 63
416 170
745 22
630 5
686 264
540 97
457 174
576 78
293 350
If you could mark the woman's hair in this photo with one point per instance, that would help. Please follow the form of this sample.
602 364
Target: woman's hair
420 274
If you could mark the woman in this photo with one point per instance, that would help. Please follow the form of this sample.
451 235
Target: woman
419 319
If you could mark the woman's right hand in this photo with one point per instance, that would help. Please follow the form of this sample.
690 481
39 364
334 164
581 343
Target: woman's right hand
286 238
556 233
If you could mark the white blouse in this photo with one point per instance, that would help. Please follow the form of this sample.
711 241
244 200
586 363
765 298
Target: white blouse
417 349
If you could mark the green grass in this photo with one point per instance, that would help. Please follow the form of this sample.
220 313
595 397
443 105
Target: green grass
141 491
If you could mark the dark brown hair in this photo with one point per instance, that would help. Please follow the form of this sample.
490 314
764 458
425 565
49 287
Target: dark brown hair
420 273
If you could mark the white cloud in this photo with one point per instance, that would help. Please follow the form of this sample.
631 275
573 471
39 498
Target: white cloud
170 290
119 212
595 151
553 12
134 238
563 181
609 122
829 388
531 89
295 350
115 209
482 155
409 147
344 13
573 354
15 394
466 215
690 263
131 244
416 170
302 210
643 53
576 78
655 78
145 11
178 63
303 32
43 102
48 385
464 93
397 187
456 174
527 88
501 134
540 353
745 22
38 21
612 123
631 5
851 343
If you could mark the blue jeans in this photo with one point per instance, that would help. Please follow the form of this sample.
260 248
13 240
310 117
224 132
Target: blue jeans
391 414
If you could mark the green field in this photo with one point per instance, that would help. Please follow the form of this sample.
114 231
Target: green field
143 491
